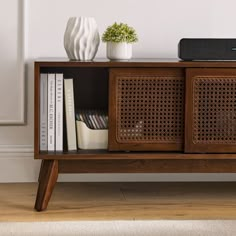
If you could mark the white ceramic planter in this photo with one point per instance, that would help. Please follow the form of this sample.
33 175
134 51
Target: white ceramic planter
81 38
119 51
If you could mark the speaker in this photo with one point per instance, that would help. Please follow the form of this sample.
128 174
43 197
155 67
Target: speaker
207 49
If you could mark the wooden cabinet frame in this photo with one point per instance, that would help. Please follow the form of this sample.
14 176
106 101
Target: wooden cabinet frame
144 158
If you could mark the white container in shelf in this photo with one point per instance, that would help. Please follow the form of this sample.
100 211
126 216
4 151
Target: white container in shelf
91 138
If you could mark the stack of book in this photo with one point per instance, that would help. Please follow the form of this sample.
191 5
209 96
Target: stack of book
52 86
51 112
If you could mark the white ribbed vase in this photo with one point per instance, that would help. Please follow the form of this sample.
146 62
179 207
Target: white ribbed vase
81 38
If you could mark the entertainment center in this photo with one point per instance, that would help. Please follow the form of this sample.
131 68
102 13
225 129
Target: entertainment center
165 116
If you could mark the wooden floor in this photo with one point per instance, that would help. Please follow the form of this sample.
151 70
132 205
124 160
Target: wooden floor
121 201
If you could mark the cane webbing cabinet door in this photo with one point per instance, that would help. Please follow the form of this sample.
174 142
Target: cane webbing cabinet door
146 109
210 116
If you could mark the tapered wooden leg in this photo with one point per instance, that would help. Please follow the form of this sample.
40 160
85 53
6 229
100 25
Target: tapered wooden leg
47 180
41 170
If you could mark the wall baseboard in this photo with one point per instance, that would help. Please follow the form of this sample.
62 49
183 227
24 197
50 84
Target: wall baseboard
17 164
16 150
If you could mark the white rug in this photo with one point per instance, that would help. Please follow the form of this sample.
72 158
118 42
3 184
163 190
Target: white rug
121 228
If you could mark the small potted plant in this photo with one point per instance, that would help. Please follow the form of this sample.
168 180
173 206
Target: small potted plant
119 39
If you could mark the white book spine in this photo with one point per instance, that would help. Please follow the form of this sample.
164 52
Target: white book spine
59 112
51 112
70 114
43 112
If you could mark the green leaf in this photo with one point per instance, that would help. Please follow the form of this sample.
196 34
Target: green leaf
118 33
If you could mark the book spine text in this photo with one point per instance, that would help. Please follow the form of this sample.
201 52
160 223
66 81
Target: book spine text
43 113
51 112
70 114
59 112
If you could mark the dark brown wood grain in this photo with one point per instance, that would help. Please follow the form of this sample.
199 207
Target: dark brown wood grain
135 63
148 166
48 178
107 155
36 107
41 170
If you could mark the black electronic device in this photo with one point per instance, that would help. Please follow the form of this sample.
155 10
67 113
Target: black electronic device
190 49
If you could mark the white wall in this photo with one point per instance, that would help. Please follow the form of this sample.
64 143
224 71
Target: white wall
160 25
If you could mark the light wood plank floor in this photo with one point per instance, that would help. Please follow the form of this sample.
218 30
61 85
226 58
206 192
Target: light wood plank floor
121 201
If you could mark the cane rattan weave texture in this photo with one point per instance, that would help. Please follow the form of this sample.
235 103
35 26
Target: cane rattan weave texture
150 109
214 110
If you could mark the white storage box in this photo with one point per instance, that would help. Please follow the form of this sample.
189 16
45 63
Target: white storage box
91 138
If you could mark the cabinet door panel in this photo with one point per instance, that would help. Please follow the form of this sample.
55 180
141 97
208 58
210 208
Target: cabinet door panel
146 109
210 112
